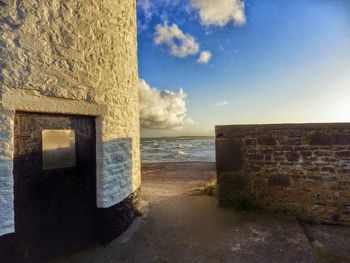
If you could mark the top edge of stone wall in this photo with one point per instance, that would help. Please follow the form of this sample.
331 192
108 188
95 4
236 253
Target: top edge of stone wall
284 126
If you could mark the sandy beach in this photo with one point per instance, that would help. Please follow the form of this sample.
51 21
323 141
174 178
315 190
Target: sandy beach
162 180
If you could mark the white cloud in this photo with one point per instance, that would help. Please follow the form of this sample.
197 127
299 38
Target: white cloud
178 43
222 103
204 57
145 8
162 109
220 12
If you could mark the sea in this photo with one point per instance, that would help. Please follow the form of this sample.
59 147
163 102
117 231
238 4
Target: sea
178 149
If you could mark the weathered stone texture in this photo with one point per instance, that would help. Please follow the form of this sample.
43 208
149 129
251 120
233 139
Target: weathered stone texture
83 51
117 182
6 198
6 178
302 168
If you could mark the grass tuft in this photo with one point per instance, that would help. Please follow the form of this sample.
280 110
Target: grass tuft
209 189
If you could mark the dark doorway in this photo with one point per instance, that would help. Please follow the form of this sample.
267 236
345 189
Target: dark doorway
55 185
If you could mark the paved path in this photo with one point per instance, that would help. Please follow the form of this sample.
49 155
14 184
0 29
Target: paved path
179 228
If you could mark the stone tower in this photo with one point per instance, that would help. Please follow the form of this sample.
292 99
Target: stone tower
68 112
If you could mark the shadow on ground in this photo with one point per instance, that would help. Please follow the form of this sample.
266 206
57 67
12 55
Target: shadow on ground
179 228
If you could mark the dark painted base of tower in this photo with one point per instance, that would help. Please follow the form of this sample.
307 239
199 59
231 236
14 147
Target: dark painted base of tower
113 221
116 219
7 248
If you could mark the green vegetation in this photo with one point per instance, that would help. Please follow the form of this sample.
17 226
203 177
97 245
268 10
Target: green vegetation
209 189
138 212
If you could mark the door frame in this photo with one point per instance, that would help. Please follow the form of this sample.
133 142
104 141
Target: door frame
93 153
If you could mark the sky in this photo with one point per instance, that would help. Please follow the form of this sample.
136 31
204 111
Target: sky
212 62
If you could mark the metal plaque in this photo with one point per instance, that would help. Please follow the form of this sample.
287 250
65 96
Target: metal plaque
58 149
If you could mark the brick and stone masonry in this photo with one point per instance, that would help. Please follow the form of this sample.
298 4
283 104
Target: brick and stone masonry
303 169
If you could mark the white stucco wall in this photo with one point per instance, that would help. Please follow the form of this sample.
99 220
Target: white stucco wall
6 178
73 57
116 180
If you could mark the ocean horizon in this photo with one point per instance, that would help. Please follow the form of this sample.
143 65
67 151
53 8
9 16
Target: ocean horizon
178 149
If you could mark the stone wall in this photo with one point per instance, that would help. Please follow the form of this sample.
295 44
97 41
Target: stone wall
300 168
73 57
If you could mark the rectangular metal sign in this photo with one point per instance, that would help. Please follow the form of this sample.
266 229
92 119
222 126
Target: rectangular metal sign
58 149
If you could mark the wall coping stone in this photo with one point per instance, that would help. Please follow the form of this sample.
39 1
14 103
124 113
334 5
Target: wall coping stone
285 126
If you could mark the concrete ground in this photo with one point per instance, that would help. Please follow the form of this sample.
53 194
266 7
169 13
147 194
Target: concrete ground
329 243
179 228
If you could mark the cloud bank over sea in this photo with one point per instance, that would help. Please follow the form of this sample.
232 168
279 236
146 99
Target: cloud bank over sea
162 109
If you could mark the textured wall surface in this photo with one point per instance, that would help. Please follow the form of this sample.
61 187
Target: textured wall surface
83 53
117 181
302 168
6 177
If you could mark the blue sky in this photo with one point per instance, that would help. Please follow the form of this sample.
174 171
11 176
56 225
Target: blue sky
283 61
